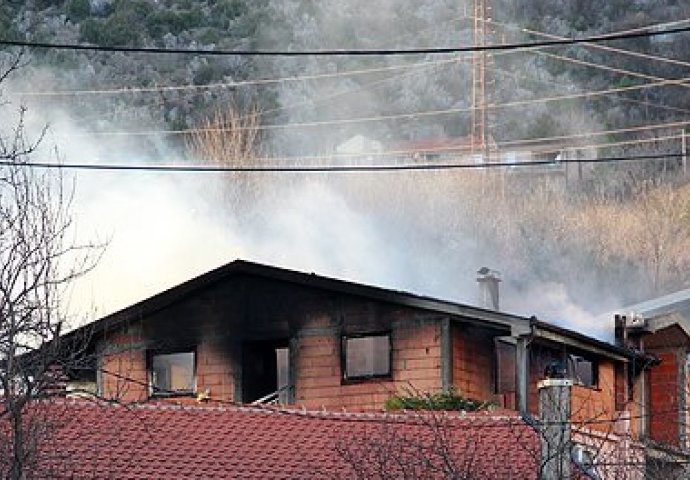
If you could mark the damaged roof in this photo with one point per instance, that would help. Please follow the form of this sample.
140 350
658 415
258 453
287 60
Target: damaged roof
518 325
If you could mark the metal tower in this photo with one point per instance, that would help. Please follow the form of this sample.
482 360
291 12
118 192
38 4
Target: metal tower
482 79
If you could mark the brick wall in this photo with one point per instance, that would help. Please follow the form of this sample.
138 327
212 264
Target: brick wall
473 354
595 404
214 370
663 401
591 406
416 364
125 378
123 368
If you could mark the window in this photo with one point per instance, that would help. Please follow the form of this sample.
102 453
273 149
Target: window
172 373
505 367
583 371
366 356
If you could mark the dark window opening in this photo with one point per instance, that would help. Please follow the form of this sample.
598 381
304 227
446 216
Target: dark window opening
583 371
505 367
366 357
265 371
172 373
582 368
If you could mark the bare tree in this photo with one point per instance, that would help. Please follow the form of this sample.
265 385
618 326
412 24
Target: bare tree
230 138
38 260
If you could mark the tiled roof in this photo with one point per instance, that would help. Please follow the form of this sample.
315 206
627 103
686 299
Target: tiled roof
89 439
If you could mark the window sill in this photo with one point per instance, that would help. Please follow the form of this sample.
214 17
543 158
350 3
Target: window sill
367 379
172 394
595 388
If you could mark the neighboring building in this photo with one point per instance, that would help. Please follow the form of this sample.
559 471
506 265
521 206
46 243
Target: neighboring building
249 333
662 327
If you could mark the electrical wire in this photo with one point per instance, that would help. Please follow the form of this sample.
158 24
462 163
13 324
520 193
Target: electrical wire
518 76
647 33
408 116
622 51
160 88
219 85
597 133
330 168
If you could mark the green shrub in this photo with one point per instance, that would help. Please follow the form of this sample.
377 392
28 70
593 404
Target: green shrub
77 10
7 25
224 11
124 26
450 400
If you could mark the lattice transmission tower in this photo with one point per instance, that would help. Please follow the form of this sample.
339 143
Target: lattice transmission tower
482 140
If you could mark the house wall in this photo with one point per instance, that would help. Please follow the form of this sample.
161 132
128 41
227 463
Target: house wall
122 367
416 366
596 405
215 372
473 362
590 406
124 375
664 397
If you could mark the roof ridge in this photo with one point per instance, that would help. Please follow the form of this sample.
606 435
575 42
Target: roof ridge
402 416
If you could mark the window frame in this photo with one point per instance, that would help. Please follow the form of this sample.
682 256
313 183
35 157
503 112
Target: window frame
345 379
153 393
570 361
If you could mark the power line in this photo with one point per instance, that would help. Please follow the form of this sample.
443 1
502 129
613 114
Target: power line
349 52
521 76
242 83
330 168
159 88
613 131
622 51
409 116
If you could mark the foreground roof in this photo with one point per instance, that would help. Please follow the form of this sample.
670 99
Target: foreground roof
93 439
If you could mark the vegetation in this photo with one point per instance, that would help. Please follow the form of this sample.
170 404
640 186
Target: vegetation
610 225
451 400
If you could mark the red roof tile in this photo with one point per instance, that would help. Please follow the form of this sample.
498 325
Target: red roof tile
89 439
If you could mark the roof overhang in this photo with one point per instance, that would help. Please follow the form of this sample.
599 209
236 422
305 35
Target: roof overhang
553 333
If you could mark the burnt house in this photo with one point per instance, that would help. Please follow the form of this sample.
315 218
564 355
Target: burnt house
248 333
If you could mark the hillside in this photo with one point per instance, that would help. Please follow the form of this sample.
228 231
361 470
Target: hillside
304 24
620 237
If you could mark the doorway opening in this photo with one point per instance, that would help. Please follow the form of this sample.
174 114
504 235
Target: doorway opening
265 371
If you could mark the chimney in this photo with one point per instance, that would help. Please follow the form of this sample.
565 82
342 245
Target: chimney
628 329
488 288
554 410
620 333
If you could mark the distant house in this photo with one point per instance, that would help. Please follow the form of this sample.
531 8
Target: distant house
359 149
249 333
550 157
